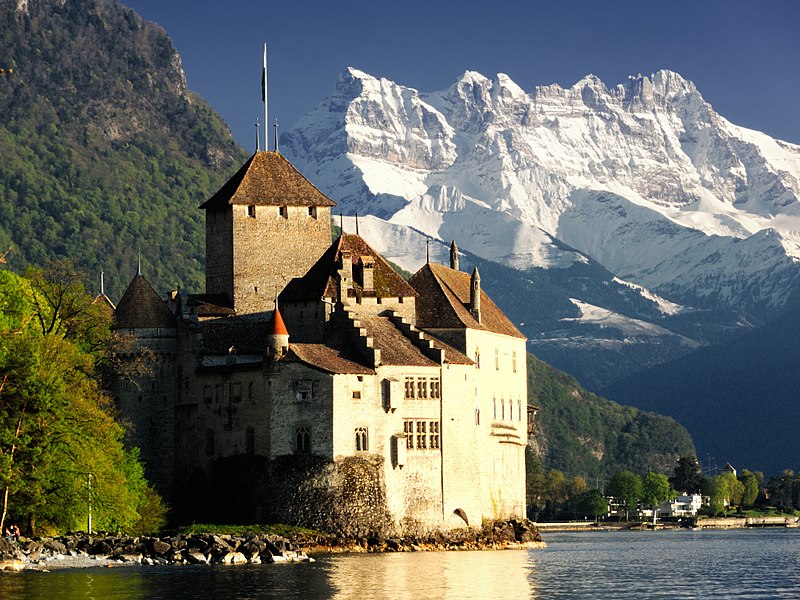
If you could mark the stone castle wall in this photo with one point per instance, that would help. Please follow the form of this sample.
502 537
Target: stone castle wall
273 247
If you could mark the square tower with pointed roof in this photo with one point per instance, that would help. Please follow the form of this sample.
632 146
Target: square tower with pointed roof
265 226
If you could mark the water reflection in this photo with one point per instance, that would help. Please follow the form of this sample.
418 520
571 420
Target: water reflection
433 575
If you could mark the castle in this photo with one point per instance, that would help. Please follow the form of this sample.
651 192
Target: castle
312 384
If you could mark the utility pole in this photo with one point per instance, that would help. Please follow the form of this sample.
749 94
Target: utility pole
89 519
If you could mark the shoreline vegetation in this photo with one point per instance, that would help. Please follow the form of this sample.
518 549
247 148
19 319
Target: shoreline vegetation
243 545
789 522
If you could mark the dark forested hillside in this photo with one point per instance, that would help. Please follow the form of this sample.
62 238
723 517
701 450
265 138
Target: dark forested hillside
583 434
104 150
739 399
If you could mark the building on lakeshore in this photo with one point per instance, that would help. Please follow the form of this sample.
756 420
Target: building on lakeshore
311 383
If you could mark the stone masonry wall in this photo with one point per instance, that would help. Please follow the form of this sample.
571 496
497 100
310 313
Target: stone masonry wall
279 243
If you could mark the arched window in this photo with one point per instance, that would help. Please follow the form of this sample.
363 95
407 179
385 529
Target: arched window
510 410
519 409
503 408
494 408
362 439
302 441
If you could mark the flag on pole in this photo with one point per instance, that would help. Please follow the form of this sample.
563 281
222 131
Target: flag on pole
264 77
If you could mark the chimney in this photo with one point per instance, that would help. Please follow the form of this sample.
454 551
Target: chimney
454 256
475 295
367 274
345 274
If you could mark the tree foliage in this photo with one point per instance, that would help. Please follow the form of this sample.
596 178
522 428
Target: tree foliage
687 476
104 149
580 432
656 489
60 445
627 487
593 503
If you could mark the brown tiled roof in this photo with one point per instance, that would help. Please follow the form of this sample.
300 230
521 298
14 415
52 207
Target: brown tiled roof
395 347
268 179
321 281
328 358
443 302
142 308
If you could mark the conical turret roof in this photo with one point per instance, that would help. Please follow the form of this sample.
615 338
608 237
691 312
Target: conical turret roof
141 308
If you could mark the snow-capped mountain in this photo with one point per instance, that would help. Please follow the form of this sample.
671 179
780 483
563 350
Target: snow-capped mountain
642 179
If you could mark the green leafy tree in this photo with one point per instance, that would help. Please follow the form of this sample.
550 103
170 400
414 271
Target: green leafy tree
717 491
750 485
687 476
626 486
556 490
593 503
57 427
655 490
734 489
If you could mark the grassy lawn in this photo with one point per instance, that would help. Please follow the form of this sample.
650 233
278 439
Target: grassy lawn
287 531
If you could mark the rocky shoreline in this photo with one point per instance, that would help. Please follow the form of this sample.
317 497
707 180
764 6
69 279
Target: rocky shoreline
81 550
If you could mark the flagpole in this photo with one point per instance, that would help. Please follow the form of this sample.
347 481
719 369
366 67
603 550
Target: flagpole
264 94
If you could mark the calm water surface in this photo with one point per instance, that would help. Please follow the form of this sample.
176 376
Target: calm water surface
662 564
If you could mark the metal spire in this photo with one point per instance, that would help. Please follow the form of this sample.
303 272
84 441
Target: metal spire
276 134
102 286
258 143
264 98
139 269
427 251
341 222
356 222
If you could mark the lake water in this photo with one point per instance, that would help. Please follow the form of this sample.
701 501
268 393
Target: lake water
762 563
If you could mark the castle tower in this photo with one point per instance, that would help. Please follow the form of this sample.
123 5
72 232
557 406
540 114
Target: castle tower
266 225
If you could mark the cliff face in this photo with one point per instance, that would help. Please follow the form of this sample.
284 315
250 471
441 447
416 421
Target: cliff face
105 148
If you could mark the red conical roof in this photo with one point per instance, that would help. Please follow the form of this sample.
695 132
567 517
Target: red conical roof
276 324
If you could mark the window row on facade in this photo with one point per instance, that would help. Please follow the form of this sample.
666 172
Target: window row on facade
283 211
423 388
421 434
510 413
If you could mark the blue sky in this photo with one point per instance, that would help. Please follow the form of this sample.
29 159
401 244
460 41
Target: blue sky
744 56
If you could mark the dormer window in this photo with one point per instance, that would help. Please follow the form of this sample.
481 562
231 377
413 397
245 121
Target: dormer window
251 211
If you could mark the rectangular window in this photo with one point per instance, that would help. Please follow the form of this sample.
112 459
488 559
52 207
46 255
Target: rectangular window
408 429
302 390
208 394
421 439
496 359
218 393
356 395
312 212
514 361
434 435
422 388
436 388
250 392
409 387
251 211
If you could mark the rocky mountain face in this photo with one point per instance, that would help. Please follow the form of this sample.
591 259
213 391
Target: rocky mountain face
105 150
659 225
